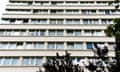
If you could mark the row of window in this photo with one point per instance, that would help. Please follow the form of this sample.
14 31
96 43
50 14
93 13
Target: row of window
13 61
60 2
61 11
50 45
36 61
57 21
37 32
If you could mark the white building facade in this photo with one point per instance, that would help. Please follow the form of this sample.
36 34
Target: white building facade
31 31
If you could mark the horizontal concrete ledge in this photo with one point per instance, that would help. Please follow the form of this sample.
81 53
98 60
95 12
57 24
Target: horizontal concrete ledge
58 39
54 26
75 53
61 16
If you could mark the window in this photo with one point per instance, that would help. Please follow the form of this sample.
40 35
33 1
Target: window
71 3
16 33
88 33
26 61
43 21
113 12
73 33
39 45
107 21
15 61
2 32
69 32
29 45
52 33
72 11
88 11
39 21
55 32
90 21
51 45
32 32
72 21
77 33
41 3
70 45
32 61
56 21
89 45
118 11
41 33
76 45
5 21
57 11
59 33
8 32
58 45
13 32
106 12
12 45
4 45
36 11
7 61
38 61
0 61
36 32
98 33
102 2
19 45
57 3
25 20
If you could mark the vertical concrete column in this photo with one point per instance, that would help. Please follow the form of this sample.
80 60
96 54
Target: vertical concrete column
64 22
48 21
33 2
46 45
65 45
80 12
65 32
49 11
44 60
97 11
47 32
64 3
49 2
82 32
24 45
84 46
81 22
95 2
103 33
99 21
64 12
30 21
27 33
20 60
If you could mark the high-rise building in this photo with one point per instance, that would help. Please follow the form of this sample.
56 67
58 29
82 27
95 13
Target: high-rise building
31 31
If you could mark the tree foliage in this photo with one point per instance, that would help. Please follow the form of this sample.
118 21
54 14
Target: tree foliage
115 1
113 29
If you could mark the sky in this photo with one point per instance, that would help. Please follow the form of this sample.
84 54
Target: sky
3 6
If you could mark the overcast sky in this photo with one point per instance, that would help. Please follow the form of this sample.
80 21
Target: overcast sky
3 6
